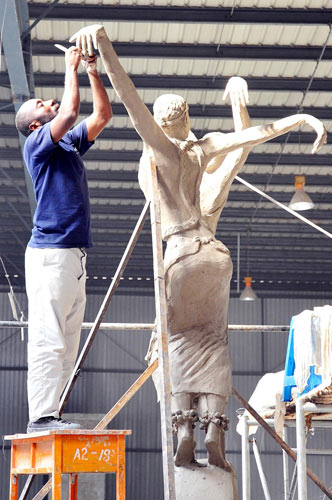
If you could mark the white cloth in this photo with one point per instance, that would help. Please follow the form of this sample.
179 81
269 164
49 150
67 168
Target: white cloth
55 284
304 348
323 316
265 397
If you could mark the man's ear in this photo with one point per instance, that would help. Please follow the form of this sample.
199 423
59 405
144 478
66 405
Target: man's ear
35 124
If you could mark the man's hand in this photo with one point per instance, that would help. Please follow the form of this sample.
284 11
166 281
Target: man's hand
237 91
90 64
87 38
73 57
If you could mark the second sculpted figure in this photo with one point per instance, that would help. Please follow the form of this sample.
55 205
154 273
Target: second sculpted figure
194 178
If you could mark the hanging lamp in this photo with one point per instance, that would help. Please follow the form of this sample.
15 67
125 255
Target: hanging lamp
248 293
300 200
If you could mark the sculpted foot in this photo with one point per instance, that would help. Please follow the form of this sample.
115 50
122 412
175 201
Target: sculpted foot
183 425
215 424
215 454
185 454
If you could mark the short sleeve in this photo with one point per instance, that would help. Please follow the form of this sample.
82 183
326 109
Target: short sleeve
39 144
79 138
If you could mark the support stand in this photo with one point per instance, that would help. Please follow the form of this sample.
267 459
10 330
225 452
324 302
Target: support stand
299 457
68 452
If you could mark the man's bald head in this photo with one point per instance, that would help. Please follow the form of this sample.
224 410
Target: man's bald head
34 113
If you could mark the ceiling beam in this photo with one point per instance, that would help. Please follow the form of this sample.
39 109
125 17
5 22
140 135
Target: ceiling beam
199 51
169 13
196 111
133 156
130 134
189 82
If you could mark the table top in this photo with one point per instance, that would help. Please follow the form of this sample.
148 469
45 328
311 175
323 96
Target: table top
77 432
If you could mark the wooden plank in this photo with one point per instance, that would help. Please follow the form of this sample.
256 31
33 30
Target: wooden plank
101 313
127 396
162 334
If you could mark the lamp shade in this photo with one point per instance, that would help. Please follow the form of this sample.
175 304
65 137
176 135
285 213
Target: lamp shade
248 293
300 200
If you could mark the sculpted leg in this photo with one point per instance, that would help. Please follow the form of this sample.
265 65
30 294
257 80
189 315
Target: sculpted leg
183 419
215 423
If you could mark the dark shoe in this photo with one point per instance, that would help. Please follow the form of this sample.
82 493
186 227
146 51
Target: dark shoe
51 424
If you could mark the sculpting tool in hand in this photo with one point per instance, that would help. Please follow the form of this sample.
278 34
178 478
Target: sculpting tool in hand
61 47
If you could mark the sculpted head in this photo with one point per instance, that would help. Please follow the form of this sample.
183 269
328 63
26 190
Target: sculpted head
34 113
170 111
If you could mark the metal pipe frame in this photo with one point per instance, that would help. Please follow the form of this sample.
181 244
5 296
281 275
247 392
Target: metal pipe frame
150 326
261 473
245 455
301 450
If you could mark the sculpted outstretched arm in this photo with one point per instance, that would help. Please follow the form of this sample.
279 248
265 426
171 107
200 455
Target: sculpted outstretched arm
95 37
237 92
222 169
218 143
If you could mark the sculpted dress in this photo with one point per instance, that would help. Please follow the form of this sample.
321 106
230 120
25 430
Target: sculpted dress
198 270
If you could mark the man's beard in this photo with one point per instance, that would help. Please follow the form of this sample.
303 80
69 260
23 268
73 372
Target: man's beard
47 117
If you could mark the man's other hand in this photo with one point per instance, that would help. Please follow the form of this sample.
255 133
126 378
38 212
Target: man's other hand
90 64
73 57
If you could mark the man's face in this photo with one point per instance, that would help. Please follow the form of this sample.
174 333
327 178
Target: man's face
40 112
43 111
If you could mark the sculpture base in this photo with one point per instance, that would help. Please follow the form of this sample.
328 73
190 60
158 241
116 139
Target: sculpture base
196 482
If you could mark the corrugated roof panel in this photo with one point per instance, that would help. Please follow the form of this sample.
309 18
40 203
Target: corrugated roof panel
229 33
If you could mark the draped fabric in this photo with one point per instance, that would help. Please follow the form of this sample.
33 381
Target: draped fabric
197 291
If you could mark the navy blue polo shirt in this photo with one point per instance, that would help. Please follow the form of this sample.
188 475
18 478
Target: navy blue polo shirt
62 216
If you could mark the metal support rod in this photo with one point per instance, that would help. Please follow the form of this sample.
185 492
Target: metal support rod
281 205
36 21
162 334
245 454
293 485
285 464
150 326
261 473
104 306
238 264
281 443
301 452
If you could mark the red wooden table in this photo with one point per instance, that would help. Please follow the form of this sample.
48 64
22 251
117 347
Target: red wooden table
68 452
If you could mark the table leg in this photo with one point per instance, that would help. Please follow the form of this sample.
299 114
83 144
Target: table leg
73 486
56 486
121 470
13 493
57 467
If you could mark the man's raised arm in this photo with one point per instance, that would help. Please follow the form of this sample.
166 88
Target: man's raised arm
70 102
102 111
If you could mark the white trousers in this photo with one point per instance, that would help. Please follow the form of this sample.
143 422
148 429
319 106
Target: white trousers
55 284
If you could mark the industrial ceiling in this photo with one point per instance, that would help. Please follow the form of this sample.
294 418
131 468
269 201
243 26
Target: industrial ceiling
282 48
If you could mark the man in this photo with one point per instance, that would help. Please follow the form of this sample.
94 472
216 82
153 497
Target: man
198 268
55 256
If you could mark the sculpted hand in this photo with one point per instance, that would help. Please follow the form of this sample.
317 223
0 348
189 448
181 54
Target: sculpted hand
237 91
87 38
320 131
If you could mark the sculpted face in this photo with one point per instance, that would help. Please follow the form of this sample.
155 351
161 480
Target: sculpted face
171 113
